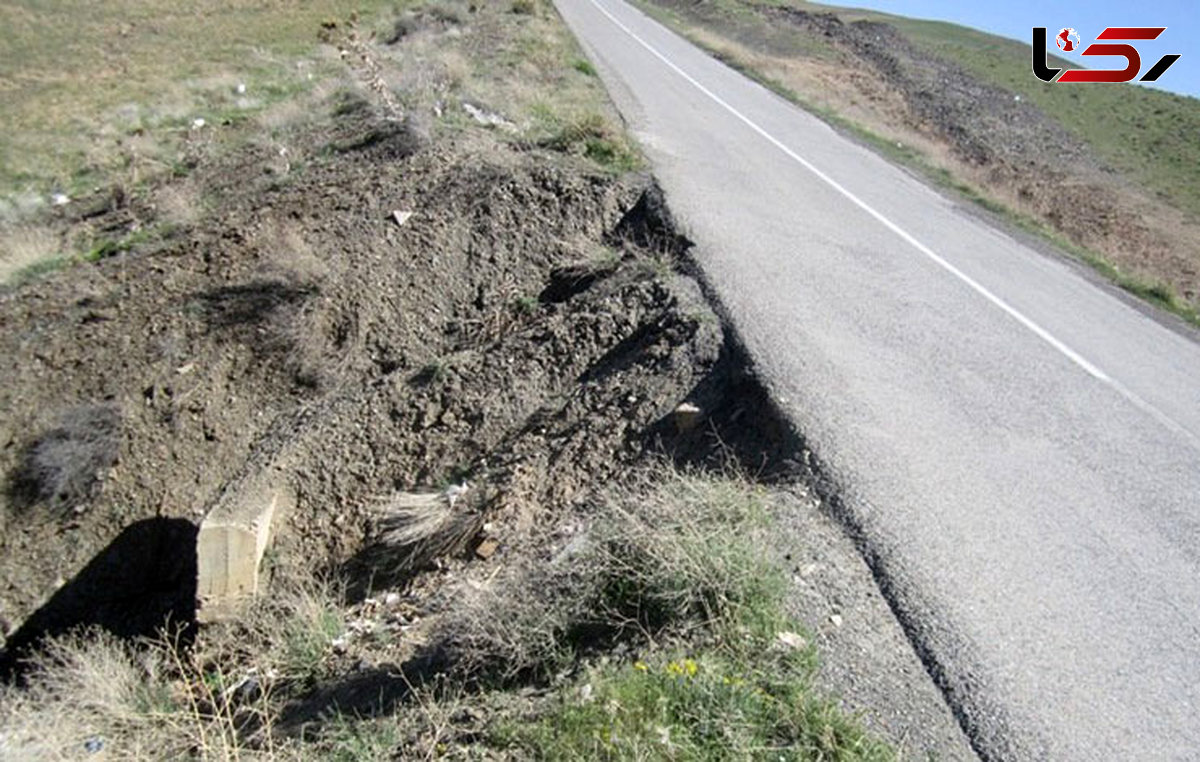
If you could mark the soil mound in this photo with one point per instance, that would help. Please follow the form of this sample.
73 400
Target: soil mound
526 333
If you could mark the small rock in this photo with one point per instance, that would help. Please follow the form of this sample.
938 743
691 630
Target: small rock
487 548
401 217
183 370
792 640
60 199
198 123
836 619
391 599
687 416
486 118
241 88
455 491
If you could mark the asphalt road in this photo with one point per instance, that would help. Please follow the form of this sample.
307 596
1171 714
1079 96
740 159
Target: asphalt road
1019 444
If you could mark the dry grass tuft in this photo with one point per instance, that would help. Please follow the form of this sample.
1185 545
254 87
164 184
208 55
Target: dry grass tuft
412 529
23 247
61 467
90 693
667 553
178 204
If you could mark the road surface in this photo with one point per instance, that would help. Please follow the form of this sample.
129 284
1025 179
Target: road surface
1019 445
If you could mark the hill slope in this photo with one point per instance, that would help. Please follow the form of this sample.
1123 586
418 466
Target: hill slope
960 105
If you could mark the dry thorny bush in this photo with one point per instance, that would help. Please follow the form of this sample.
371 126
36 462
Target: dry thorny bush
658 561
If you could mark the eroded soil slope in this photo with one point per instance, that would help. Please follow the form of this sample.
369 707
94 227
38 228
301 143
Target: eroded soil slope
523 329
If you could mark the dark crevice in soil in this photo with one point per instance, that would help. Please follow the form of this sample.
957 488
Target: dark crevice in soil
250 304
650 225
743 429
570 280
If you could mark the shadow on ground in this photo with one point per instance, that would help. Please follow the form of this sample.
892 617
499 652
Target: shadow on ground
143 580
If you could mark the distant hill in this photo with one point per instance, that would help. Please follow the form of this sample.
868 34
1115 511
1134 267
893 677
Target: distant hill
1109 172
1152 135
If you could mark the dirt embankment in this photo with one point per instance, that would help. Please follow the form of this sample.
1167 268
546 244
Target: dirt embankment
524 330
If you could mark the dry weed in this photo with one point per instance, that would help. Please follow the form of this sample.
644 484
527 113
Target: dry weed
666 553
178 204
24 246
62 466
412 529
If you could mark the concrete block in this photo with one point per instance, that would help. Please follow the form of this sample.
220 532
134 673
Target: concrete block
231 544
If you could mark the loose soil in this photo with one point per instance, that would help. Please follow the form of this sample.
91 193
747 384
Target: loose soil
515 332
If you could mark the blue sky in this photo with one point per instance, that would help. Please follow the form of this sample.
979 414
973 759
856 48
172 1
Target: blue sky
1089 18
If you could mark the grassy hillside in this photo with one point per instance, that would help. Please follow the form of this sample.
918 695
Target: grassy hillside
93 89
1151 135
1108 173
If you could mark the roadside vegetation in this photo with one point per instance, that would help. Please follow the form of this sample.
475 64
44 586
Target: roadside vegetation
1118 192
660 632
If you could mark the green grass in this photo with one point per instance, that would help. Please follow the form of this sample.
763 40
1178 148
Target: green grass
590 135
526 305
39 269
306 642
723 670
88 92
583 66
99 249
352 739
713 706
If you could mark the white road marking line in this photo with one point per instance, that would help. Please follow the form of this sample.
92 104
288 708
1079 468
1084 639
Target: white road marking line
979 288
